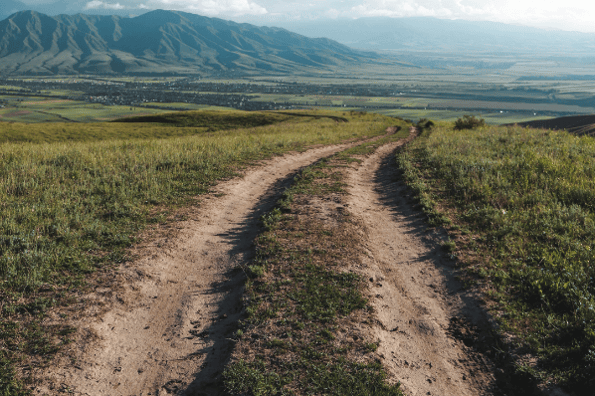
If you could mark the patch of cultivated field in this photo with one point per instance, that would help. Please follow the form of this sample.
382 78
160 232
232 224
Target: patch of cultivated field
520 204
74 197
578 125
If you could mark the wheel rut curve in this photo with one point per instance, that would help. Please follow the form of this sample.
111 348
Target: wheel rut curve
413 288
170 328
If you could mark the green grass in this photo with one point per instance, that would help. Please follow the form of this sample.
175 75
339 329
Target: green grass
160 126
69 209
299 291
213 119
163 125
525 201
41 110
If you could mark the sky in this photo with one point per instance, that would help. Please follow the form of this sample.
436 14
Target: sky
574 15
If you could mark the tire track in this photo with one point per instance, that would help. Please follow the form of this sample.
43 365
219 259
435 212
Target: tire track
169 331
414 290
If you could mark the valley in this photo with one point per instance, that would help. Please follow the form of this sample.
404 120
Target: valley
195 206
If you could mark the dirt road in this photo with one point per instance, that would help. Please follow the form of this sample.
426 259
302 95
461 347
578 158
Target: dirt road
171 326
415 293
170 331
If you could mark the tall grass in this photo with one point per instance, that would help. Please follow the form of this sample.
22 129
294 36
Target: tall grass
69 208
529 197
59 202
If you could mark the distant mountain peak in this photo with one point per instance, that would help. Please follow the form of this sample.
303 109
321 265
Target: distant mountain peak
162 16
159 41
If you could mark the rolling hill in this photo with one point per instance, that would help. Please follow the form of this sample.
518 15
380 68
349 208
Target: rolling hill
158 42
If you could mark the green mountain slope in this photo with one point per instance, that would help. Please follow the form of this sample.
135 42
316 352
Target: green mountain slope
157 42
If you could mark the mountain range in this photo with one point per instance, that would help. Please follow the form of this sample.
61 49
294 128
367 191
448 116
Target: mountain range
167 42
448 36
9 7
158 42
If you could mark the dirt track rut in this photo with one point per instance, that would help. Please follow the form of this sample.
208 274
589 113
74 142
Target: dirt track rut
414 290
171 327
169 333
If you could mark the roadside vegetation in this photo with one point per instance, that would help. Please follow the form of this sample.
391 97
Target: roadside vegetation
307 308
469 122
520 206
70 209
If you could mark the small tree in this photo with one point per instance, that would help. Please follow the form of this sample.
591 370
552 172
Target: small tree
469 122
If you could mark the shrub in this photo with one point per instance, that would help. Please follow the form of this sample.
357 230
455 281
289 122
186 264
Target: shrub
424 123
469 122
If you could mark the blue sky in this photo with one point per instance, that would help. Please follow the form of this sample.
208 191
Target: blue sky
553 14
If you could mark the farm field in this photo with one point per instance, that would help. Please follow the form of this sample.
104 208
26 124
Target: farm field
438 88
519 206
184 106
36 109
578 125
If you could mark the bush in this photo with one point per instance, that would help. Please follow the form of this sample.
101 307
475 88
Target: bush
424 123
469 122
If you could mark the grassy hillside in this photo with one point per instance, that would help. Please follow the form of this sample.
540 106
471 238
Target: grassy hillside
159 126
68 209
521 204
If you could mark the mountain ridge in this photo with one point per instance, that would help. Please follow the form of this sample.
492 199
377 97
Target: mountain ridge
158 42
435 34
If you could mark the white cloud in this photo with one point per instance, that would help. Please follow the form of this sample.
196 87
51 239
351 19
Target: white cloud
211 7
408 8
554 14
332 13
568 15
96 4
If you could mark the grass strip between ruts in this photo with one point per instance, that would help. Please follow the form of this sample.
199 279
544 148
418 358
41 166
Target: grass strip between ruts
307 310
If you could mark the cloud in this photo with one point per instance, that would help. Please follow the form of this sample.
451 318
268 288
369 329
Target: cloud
96 4
211 7
569 15
409 8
